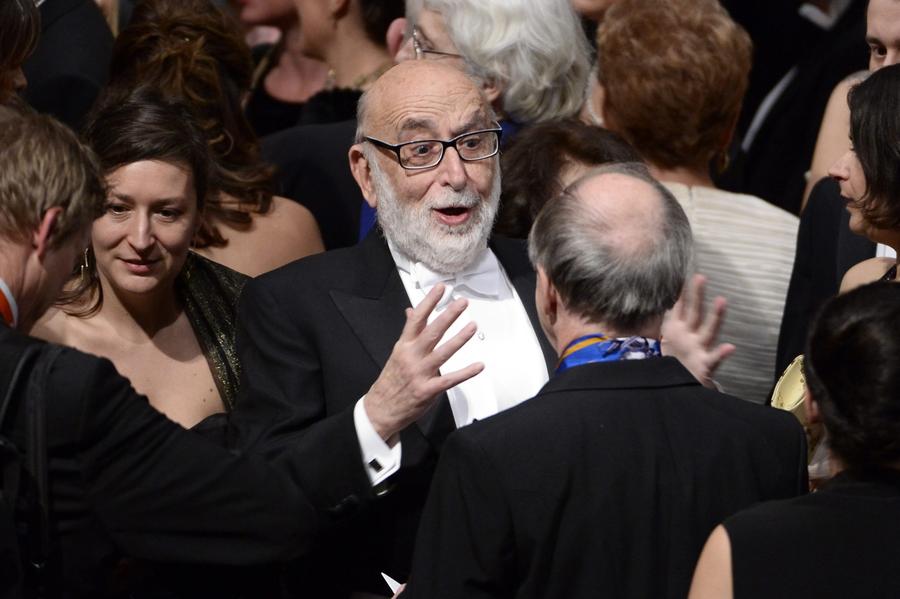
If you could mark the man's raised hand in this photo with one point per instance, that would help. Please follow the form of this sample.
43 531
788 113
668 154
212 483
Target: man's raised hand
411 380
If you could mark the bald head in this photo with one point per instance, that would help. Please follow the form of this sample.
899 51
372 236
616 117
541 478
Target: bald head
616 245
418 86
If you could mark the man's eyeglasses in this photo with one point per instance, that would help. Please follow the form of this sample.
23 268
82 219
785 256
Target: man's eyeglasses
422 52
428 153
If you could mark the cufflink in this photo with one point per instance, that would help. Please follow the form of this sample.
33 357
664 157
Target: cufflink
375 465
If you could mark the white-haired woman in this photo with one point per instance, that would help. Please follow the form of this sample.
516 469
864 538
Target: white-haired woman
532 57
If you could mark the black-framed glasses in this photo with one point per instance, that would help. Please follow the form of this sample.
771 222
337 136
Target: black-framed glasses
428 153
422 52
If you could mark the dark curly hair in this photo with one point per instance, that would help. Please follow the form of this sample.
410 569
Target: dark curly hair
875 133
852 368
194 51
532 165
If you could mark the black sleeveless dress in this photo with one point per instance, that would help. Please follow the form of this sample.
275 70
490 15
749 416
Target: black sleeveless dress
841 541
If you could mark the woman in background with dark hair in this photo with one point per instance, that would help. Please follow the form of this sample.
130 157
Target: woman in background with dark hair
191 50
162 314
843 540
284 78
350 37
20 28
869 172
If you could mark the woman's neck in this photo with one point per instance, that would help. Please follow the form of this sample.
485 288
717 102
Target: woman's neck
355 61
139 316
692 177
296 77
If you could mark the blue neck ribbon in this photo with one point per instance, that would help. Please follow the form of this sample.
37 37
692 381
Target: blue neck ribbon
600 348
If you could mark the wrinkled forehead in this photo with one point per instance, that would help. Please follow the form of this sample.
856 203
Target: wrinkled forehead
429 110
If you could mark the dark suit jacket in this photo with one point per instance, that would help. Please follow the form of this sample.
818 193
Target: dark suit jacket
71 62
312 337
313 169
125 479
774 166
607 483
826 250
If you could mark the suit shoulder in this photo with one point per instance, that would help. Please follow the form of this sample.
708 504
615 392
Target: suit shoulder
318 269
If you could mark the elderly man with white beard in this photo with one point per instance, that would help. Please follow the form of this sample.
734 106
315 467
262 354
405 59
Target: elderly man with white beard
368 357
355 354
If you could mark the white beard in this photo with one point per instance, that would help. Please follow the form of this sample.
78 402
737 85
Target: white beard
413 230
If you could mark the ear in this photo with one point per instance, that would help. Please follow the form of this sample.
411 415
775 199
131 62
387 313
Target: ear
549 297
492 90
42 237
395 37
362 172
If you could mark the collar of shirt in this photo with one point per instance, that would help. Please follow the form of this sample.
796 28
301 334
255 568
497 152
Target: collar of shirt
482 277
9 310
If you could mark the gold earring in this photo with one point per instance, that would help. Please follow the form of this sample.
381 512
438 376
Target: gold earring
85 268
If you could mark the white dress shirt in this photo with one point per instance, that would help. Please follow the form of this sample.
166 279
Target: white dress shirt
505 342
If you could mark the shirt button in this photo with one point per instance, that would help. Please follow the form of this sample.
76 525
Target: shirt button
480 336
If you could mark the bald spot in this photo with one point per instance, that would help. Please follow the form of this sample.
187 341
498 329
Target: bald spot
631 208
415 96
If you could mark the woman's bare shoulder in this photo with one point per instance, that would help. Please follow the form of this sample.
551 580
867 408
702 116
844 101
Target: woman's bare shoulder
865 272
286 232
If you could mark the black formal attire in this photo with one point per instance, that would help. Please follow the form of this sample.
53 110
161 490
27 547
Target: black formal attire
774 166
124 479
312 338
70 65
313 169
826 250
841 541
607 483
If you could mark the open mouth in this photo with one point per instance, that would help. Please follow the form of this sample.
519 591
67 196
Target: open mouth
453 215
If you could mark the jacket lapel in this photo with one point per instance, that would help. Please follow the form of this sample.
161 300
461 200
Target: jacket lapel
375 312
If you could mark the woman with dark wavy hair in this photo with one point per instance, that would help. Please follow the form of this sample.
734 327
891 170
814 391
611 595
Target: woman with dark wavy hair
844 539
869 173
162 314
192 50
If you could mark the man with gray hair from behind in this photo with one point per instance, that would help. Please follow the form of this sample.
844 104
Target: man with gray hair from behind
610 479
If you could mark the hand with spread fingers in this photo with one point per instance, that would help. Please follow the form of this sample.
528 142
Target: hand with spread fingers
411 379
690 334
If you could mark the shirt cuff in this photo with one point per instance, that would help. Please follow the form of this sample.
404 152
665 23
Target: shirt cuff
379 459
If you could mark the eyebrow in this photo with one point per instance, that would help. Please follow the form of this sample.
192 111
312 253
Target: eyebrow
871 39
417 124
477 121
157 202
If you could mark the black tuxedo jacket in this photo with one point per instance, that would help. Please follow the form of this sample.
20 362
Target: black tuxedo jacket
607 483
312 337
70 65
124 479
826 250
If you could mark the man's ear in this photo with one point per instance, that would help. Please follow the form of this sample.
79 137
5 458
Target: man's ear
42 237
492 90
362 172
395 36
549 300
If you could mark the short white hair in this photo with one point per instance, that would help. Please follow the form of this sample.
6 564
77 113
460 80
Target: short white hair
535 50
